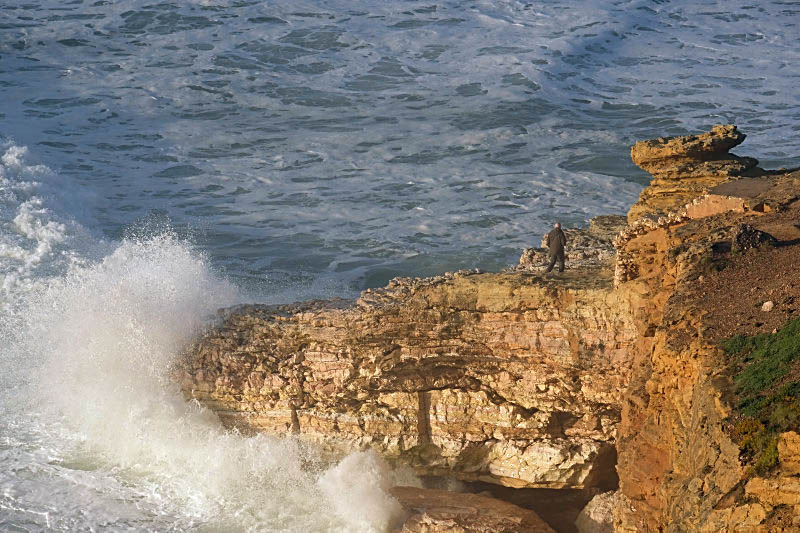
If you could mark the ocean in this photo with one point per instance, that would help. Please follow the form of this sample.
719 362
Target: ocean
161 160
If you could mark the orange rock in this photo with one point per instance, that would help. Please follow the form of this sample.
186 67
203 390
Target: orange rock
781 490
505 378
789 452
685 168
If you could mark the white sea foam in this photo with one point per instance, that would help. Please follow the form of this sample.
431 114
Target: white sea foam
94 432
33 233
39 232
286 131
100 343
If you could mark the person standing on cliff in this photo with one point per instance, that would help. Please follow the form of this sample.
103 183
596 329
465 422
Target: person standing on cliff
555 241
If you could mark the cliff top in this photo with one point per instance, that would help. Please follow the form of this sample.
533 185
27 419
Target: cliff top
740 282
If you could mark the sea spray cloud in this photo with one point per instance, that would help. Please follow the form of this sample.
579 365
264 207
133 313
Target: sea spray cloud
103 340
367 503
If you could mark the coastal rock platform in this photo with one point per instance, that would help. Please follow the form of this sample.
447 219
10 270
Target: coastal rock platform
441 511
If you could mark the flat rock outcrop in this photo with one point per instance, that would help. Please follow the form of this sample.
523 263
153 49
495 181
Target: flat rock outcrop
441 511
684 168
505 378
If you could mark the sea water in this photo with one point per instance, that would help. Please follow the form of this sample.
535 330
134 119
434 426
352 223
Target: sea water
161 160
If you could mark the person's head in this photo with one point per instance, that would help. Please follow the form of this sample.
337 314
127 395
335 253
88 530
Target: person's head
557 225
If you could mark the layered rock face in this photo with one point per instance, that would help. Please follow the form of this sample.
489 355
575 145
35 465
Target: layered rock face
679 469
684 168
505 378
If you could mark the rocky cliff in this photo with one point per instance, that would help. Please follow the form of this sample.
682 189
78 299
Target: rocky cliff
707 268
508 378
610 374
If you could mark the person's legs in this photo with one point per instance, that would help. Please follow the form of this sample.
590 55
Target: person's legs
560 262
552 263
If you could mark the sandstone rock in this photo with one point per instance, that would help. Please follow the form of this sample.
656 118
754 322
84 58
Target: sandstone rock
504 378
685 168
789 452
598 515
740 519
435 511
679 469
713 145
781 490
767 306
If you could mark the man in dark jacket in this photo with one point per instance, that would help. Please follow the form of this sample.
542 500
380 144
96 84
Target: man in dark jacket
555 242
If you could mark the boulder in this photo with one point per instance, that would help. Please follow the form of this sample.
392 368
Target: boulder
746 237
598 515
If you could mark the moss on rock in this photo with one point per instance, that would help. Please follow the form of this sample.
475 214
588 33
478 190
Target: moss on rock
768 390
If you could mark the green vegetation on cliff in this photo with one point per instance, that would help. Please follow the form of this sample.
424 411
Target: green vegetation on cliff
768 386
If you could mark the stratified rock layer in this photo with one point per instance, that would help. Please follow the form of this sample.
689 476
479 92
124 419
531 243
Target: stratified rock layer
679 469
684 168
505 378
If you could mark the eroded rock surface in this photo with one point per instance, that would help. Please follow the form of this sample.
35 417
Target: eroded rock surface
684 168
505 378
679 469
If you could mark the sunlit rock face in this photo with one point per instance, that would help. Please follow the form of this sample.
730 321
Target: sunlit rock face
684 168
506 378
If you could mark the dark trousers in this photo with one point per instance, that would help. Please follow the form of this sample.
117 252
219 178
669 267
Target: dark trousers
553 259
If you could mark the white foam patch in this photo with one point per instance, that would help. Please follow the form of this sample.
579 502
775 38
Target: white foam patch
39 234
101 342
307 117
